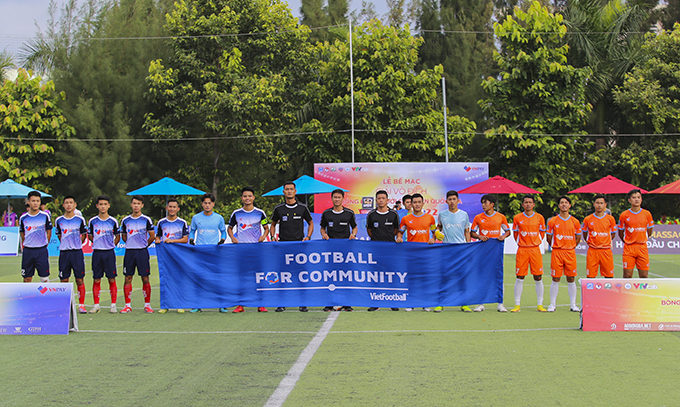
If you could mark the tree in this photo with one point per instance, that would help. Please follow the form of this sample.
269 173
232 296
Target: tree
30 121
538 106
6 62
398 114
456 36
238 71
315 13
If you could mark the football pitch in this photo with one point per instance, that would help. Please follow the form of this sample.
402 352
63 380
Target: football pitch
382 358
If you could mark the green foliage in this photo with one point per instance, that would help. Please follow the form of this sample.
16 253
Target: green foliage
241 77
29 110
398 114
537 105
650 95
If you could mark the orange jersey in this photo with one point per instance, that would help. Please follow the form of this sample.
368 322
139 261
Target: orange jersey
599 230
418 228
635 226
564 232
490 226
530 229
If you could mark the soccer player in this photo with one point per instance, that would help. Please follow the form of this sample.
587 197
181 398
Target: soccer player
172 229
207 228
72 231
599 229
104 234
419 226
382 224
635 225
454 224
490 225
338 222
408 206
138 233
35 230
528 229
563 235
249 222
290 216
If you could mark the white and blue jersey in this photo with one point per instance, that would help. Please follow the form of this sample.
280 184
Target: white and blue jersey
103 232
249 224
34 228
207 229
137 231
171 229
454 225
69 232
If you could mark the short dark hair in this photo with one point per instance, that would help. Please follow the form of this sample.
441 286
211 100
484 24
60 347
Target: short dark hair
208 196
528 197
247 189
172 200
489 197
137 197
69 197
564 197
414 196
338 191
381 192
405 197
600 196
633 192
34 193
103 198
289 183
398 202
451 193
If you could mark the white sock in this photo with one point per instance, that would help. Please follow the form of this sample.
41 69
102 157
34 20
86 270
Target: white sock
554 290
519 284
572 292
147 304
128 304
539 292
44 279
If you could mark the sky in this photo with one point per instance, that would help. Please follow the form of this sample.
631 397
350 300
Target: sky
18 19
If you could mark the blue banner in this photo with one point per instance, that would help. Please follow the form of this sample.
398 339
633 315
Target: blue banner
35 308
334 272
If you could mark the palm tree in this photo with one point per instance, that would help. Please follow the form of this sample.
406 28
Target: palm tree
6 62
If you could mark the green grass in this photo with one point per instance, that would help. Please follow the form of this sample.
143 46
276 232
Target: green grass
384 358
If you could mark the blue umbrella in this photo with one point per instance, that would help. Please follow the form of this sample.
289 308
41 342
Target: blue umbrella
166 186
306 185
13 190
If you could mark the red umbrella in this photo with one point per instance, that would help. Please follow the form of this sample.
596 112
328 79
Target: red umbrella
672 188
498 185
607 185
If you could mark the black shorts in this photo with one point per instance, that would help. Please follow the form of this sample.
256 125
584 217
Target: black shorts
136 258
35 258
71 260
103 261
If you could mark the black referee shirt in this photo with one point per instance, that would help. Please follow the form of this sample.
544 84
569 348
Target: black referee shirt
291 220
338 225
382 225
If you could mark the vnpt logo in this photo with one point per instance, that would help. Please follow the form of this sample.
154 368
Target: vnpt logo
468 169
42 289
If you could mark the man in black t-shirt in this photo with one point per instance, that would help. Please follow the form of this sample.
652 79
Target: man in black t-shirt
338 222
290 216
382 224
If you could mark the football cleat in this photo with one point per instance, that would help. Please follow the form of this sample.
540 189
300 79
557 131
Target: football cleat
148 310
261 309
95 309
516 309
541 308
82 309
126 310
238 309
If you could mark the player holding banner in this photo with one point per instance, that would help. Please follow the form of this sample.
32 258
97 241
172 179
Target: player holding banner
72 231
599 229
172 229
564 234
138 233
528 229
489 225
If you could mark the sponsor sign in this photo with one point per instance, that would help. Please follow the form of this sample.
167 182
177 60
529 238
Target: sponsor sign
632 304
9 240
35 308
318 273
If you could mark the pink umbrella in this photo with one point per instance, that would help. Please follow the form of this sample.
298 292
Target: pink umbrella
498 185
607 185
672 188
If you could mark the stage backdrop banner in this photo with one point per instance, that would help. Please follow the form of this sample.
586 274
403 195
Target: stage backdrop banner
35 308
432 180
9 240
631 304
335 272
